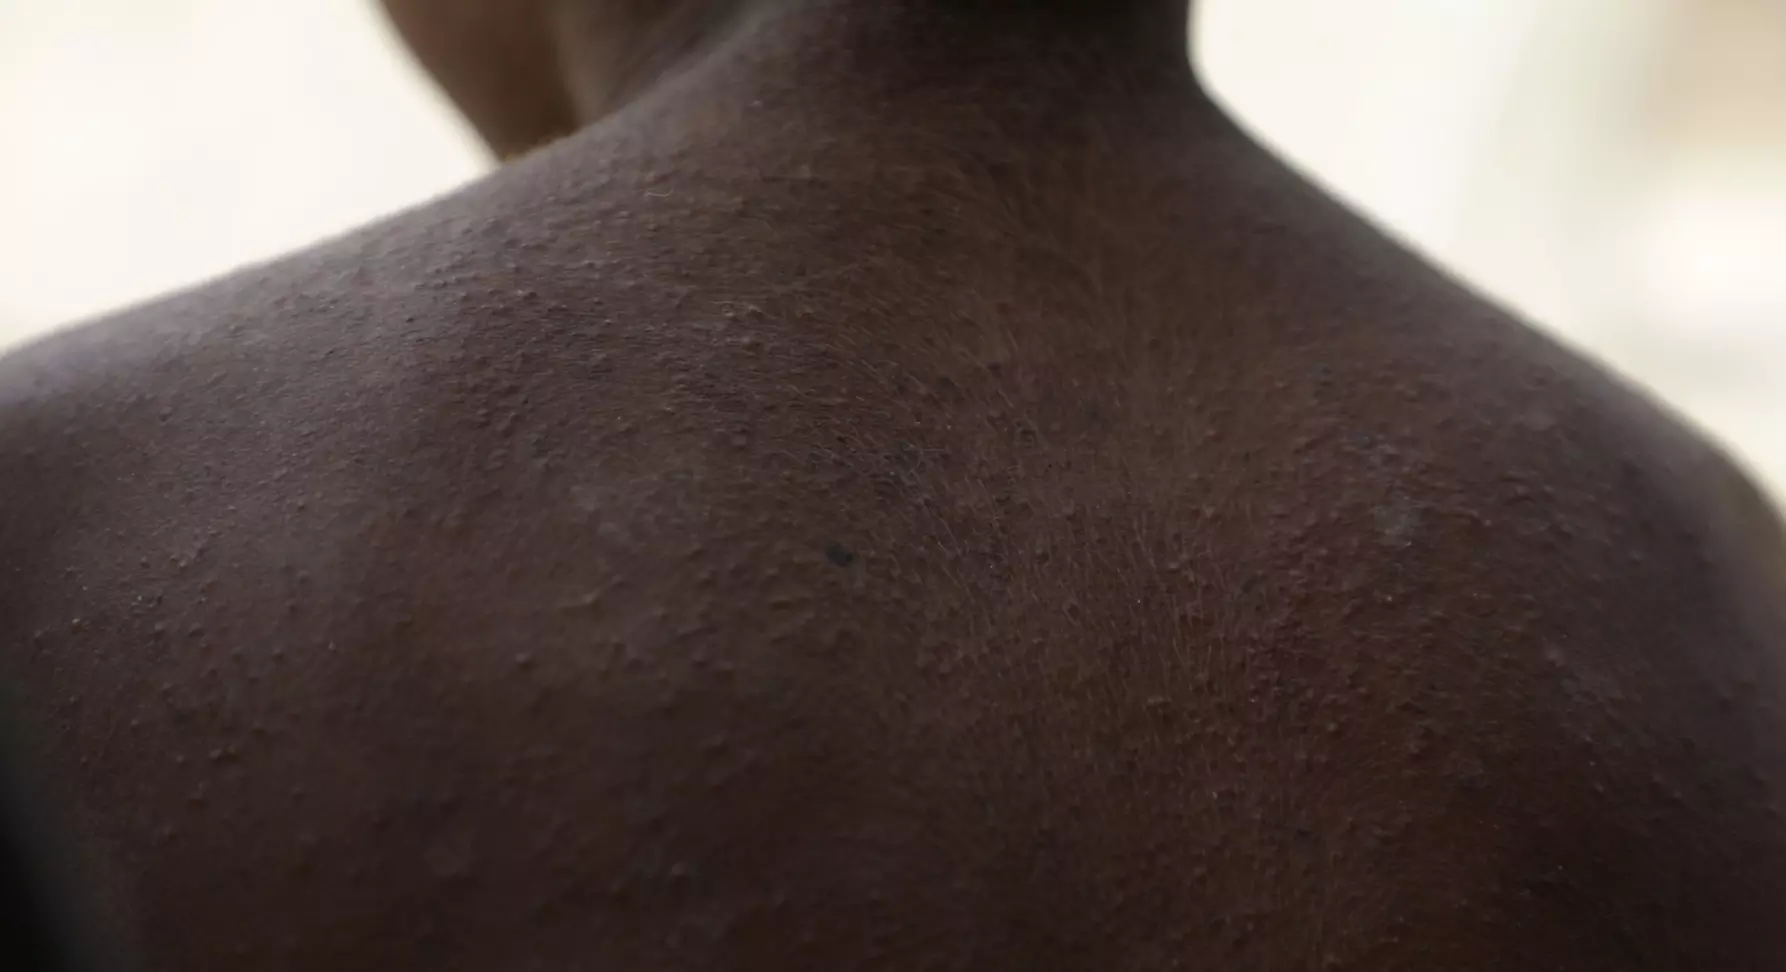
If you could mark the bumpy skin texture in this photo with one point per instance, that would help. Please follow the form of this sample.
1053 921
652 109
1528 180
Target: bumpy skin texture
882 504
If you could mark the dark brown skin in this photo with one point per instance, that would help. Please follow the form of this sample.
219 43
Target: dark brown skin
914 488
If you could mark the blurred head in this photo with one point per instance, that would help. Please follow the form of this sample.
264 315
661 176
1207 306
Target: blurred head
497 60
525 72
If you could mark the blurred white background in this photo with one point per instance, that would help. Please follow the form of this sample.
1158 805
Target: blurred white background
1615 169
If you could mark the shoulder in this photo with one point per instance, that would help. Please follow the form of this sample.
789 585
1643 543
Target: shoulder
114 431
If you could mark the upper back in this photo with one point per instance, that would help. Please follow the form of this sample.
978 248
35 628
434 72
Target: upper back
1050 542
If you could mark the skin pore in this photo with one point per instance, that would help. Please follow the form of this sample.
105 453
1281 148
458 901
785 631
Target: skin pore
895 484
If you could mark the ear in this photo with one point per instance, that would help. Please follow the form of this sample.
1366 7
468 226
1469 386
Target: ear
496 60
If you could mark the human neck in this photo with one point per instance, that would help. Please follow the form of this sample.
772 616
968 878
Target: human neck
614 51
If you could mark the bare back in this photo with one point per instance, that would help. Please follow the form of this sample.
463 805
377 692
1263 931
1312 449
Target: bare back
978 511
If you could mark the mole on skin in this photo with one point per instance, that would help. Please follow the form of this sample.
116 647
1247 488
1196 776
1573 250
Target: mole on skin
878 484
